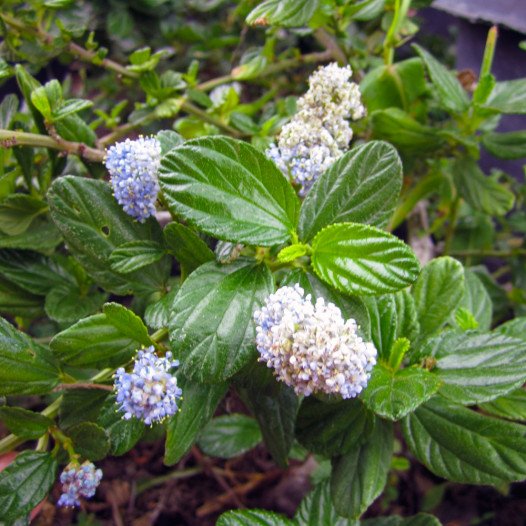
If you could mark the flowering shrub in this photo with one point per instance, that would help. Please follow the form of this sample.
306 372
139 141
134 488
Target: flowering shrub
312 246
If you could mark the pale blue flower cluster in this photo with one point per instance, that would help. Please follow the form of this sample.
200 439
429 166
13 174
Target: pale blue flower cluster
310 346
78 480
150 392
133 166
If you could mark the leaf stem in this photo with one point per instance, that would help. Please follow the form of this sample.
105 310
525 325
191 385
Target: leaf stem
83 385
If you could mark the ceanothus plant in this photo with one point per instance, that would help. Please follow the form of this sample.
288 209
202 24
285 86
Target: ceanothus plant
153 275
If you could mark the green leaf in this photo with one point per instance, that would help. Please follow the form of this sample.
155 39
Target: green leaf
383 315
464 446
407 325
407 134
477 300
67 303
253 518
316 509
102 340
81 405
285 13
437 292
480 191
228 436
230 190
511 406
157 315
477 367
89 440
420 519
69 107
135 255
17 212
445 84
25 366
362 186
393 394
187 247
515 328
197 408
42 237
275 407
94 225
508 96
169 139
212 327
123 434
359 476
25 482
511 145
333 428
292 252
24 423
14 301
360 259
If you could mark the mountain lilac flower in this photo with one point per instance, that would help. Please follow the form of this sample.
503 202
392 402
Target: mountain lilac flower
133 166
319 133
311 347
78 480
149 393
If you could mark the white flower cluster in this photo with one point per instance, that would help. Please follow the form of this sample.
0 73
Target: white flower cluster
319 133
311 347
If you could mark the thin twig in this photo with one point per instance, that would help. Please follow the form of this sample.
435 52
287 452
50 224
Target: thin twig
83 385
330 44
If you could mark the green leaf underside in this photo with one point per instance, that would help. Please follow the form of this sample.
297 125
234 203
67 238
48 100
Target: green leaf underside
477 367
362 186
230 190
394 394
359 477
511 406
212 326
360 259
287 13
25 482
229 435
463 446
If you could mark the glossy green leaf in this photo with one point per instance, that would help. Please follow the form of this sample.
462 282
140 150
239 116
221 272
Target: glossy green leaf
89 440
360 259
359 476
383 315
477 367
437 292
333 428
15 301
477 300
212 327
197 408
228 436
70 107
68 304
94 225
511 406
253 518
511 145
135 255
508 96
17 212
25 366
464 446
24 483
445 84
286 13
362 186
407 325
157 315
230 190
393 394
24 423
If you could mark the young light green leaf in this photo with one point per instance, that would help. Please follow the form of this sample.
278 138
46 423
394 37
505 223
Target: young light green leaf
362 186
24 423
286 13
464 446
361 259
511 145
135 255
70 107
230 435
393 394
212 329
477 300
508 96
230 190
359 476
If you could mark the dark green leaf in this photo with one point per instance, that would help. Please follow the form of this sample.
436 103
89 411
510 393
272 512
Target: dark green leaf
394 394
445 84
360 259
42 237
25 366
212 326
362 186
68 304
464 446
437 292
511 145
89 440
230 190
420 519
253 518
383 315
359 476
15 301
511 406
228 436
8 109
18 211
477 367
135 255
508 96
24 483
81 405
157 315
407 325
287 13
197 408
24 423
